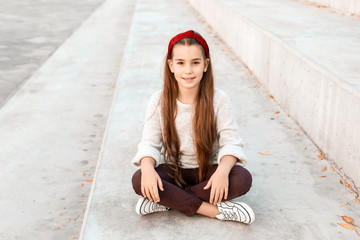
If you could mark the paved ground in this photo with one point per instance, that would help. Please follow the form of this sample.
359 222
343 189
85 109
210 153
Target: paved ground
30 31
291 195
51 132
51 129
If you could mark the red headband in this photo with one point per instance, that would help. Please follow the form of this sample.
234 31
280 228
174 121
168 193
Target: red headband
188 34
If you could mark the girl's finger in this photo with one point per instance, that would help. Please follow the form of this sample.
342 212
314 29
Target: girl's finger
160 184
221 195
226 193
216 197
148 194
208 185
143 191
155 194
211 200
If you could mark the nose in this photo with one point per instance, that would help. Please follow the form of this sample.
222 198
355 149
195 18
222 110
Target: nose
188 68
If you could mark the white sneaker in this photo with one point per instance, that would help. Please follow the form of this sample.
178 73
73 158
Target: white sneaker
235 211
145 206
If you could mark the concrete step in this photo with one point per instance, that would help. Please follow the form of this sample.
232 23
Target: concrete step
30 31
51 129
350 7
308 58
291 195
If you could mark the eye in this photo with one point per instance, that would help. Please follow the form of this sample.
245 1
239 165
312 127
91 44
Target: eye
179 63
196 62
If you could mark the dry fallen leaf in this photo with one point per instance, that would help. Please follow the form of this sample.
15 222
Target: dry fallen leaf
332 169
344 204
271 96
347 226
89 179
81 185
348 219
68 220
321 157
322 176
341 182
358 232
83 173
357 199
348 186
73 238
264 153
324 169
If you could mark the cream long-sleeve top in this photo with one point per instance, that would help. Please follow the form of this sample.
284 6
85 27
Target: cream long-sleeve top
227 142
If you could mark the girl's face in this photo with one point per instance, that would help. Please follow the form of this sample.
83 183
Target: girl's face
188 65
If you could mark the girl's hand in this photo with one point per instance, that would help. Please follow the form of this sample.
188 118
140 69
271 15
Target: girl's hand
219 183
150 180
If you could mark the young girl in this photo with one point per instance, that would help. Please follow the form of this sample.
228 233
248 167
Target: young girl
190 156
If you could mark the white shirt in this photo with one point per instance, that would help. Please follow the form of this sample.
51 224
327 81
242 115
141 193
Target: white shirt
227 142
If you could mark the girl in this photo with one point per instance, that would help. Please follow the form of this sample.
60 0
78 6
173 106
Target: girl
190 156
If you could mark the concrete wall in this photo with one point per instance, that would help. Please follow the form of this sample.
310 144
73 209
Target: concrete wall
327 109
346 6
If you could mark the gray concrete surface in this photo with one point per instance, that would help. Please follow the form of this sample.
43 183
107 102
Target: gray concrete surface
290 196
30 31
51 129
351 7
308 58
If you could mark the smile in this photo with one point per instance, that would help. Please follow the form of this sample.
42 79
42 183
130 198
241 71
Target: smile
189 79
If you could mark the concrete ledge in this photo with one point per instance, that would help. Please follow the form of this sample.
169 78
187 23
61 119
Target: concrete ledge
321 94
345 6
290 199
51 129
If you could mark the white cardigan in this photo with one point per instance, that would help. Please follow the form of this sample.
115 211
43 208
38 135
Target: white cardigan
227 141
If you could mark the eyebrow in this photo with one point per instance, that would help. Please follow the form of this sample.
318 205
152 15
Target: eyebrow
195 59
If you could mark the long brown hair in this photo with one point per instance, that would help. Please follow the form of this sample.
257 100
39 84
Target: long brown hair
204 127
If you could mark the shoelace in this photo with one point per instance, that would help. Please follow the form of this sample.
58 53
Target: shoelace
158 207
229 215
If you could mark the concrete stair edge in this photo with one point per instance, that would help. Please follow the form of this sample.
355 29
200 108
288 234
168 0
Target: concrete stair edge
330 141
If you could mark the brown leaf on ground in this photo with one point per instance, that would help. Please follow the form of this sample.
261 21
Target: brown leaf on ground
265 153
341 182
275 113
358 232
89 179
347 226
344 204
81 185
83 173
332 169
271 96
321 157
348 186
357 199
324 169
322 176
68 220
348 219
73 237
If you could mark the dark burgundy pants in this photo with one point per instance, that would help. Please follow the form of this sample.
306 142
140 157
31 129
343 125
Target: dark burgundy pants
188 200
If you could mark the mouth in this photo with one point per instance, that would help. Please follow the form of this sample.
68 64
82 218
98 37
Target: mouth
189 78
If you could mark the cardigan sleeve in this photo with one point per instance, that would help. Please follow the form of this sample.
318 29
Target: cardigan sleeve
230 142
151 142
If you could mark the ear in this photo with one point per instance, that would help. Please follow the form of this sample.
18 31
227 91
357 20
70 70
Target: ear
207 61
171 65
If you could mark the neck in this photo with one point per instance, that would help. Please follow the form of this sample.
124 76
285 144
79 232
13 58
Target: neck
188 96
